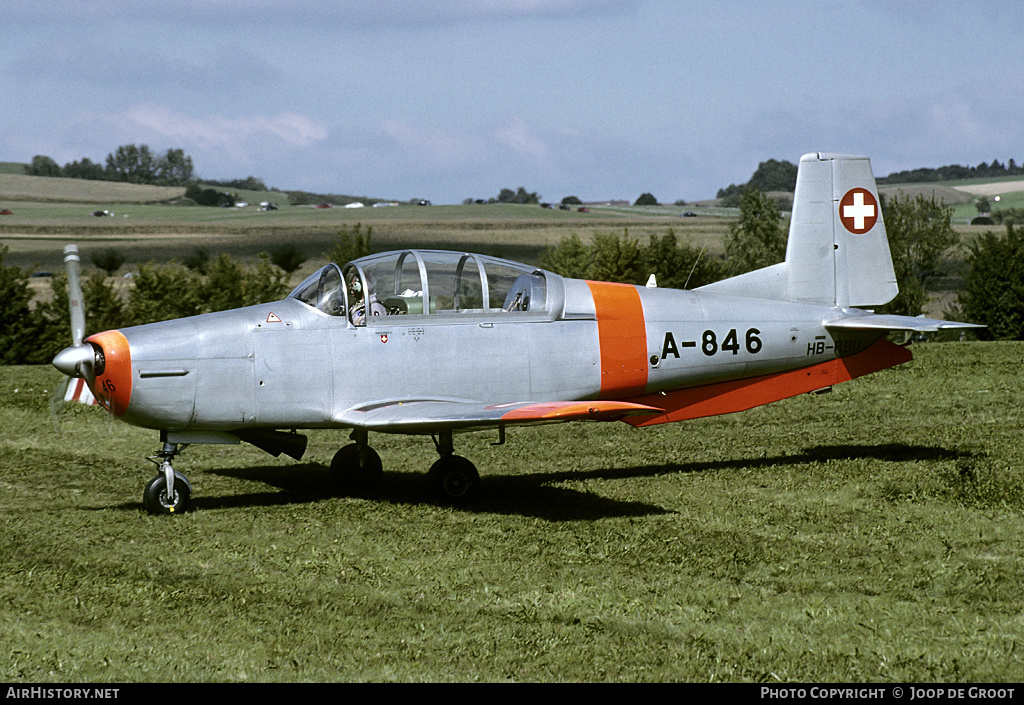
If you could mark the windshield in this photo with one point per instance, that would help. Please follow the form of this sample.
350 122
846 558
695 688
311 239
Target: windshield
323 291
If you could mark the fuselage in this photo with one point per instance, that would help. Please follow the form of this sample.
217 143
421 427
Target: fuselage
292 364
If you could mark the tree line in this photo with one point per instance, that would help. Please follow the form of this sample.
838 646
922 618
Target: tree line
129 163
775 175
955 172
34 333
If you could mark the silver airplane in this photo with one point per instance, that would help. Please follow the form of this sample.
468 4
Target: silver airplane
433 342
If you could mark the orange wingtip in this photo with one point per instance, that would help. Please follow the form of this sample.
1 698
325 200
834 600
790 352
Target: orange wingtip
569 410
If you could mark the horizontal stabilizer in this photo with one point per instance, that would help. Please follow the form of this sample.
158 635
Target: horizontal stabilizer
883 322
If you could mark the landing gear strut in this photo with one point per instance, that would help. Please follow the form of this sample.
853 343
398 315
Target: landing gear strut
169 491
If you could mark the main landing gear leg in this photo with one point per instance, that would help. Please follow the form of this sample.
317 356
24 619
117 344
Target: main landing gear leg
169 491
356 469
452 477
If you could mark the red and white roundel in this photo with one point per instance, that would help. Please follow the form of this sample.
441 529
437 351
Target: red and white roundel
858 210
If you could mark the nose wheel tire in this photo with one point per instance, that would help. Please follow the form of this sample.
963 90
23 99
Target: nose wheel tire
454 479
157 500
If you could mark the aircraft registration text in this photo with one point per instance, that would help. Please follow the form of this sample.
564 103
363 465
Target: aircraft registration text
710 345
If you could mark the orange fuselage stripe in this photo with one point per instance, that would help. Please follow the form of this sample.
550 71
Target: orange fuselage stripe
623 337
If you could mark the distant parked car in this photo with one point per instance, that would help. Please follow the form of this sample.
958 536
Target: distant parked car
6 211
323 205
583 209
689 214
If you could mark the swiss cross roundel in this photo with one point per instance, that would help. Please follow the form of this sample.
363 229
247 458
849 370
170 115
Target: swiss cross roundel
858 210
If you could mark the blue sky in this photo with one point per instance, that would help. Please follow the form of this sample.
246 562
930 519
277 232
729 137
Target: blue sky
460 98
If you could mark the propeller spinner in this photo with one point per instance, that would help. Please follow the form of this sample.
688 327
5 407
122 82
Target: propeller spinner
81 359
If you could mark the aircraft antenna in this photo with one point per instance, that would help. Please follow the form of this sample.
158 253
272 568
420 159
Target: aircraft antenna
706 238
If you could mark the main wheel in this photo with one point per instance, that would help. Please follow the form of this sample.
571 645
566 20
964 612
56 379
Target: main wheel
355 471
157 501
454 479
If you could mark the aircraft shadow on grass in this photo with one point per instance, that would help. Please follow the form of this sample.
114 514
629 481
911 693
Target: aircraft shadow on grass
540 494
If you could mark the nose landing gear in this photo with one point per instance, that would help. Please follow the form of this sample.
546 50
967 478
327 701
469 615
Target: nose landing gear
169 491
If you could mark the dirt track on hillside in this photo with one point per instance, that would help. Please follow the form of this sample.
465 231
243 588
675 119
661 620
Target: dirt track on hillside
992 189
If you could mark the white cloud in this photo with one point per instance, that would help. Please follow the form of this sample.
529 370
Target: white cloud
434 148
290 128
522 139
303 12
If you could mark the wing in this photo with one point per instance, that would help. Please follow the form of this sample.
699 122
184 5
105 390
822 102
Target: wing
429 415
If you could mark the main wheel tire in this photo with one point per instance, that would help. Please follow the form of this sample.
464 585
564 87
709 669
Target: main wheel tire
355 471
156 500
454 479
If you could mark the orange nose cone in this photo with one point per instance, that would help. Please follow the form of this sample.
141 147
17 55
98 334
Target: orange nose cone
113 386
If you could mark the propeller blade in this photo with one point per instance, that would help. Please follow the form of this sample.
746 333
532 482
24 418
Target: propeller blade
79 359
73 265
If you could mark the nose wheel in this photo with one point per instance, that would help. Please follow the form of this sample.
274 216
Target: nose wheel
158 500
169 492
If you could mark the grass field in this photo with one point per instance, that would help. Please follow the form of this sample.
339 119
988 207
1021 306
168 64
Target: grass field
874 534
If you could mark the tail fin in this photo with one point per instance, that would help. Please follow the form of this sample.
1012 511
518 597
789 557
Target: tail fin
837 252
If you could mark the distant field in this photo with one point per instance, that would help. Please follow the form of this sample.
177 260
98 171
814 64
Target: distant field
144 232
949 195
964 194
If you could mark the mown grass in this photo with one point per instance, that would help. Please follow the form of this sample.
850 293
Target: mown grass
874 534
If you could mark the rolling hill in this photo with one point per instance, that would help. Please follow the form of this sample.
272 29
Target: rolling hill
51 189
